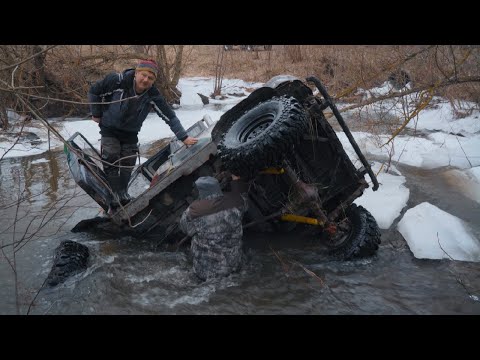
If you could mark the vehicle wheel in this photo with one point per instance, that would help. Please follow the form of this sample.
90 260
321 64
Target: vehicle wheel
263 135
70 259
357 235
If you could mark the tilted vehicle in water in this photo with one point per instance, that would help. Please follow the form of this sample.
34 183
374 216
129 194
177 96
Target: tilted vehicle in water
279 140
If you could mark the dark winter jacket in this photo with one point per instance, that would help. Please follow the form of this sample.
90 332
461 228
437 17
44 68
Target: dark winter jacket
128 116
215 224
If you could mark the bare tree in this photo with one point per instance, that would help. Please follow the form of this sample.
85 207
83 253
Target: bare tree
170 67
219 73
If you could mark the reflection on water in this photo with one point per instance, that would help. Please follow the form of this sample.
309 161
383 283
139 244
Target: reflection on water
40 204
434 186
283 274
464 182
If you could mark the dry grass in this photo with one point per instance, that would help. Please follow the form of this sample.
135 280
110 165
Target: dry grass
341 67
338 66
68 70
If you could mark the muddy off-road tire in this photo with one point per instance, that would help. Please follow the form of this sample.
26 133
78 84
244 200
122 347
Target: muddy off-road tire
231 116
361 237
70 259
263 135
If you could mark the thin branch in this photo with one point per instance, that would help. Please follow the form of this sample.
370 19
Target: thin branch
28 58
387 68
444 83
459 280
35 297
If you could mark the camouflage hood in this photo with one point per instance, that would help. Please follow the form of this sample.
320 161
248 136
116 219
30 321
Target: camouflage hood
208 186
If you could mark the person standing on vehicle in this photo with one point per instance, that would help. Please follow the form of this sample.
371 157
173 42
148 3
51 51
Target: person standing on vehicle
214 221
128 96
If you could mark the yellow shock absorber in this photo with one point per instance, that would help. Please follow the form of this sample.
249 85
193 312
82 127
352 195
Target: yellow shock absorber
301 219
272 171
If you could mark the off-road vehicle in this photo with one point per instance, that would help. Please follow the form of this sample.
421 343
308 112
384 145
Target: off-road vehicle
279 140
248 47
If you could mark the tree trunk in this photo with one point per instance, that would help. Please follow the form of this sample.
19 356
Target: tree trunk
3 115
219 72
169 73
38 71
177 66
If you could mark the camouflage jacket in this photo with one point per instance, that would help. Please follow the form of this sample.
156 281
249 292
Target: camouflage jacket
215 225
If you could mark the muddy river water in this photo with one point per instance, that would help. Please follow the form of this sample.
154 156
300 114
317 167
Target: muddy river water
283 273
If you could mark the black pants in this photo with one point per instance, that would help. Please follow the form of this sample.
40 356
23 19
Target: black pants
114 149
